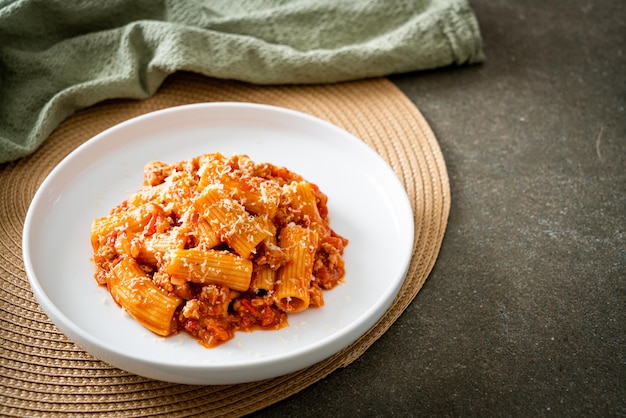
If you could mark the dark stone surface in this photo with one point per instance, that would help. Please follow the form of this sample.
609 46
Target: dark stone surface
524 313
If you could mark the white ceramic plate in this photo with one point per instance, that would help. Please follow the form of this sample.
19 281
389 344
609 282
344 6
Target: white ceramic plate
367 204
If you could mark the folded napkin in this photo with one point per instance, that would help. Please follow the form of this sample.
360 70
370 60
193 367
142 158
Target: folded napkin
59 56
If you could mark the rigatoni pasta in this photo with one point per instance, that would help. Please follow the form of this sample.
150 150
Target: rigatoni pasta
213 245
293 287
133 289
208 266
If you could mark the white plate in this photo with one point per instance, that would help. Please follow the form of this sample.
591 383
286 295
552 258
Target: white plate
367 205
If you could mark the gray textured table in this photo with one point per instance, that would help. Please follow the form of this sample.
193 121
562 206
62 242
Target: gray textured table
524 312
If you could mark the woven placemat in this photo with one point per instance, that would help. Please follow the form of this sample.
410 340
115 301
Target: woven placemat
44 373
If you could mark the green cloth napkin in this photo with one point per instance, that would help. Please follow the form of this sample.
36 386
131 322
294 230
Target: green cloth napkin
59 56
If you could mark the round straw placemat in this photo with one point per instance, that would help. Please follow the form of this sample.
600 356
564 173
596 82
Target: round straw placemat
44 373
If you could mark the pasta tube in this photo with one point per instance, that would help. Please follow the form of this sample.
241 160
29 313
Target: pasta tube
257 195
240 230
209 266
131 288
132 221
155 247
301 199
205 234
263 277
294 278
